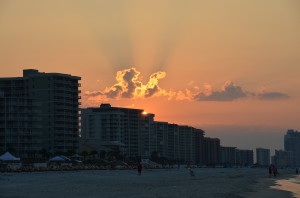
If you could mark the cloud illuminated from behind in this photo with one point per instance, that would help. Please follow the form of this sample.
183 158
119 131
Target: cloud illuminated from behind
129 85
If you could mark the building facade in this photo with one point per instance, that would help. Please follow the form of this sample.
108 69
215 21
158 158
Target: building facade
292 144
128 129
263 156
40 113
211 151
227 156
282 159
244 157
139 136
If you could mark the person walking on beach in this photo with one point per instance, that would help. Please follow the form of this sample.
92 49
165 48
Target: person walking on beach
192 174
296 171
270 171
139 167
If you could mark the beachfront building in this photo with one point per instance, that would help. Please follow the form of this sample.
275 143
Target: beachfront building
125 129
244 157
227 156
173 142
20 119
39 113
137 135
187 144
263 156
158 140
292 144
199 144
211 151
282 159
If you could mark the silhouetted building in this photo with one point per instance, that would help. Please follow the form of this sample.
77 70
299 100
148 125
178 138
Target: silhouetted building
282 159
199 144
186 144
39 113
173 142
263 156
136 134
244 157
20 120
227 156
211 151
292 144
127 129
158 139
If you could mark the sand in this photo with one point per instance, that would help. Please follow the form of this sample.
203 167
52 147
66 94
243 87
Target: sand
290 184
160 183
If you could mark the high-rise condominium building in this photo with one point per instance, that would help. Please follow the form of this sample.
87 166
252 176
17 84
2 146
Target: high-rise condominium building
227 156
244 157
136 134
39 113
127 129
211 151
292 144
263 156
282 159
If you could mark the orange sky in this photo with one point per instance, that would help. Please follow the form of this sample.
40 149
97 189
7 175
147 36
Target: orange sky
198 44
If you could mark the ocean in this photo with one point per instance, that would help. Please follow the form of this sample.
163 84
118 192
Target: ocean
291 185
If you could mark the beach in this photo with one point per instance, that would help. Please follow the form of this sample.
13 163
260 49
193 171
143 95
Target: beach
160 183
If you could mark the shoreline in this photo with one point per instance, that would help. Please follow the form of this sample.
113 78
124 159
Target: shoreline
290 184
269 188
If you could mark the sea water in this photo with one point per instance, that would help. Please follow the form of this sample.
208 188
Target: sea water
291 185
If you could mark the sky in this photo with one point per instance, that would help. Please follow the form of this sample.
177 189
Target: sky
230 67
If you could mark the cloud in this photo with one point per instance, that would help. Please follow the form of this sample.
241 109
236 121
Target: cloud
229 92
129 85
272 96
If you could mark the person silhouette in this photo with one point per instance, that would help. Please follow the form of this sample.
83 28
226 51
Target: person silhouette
270 171
139 167
191 172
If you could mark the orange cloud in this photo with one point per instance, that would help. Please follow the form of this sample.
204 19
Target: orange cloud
129 85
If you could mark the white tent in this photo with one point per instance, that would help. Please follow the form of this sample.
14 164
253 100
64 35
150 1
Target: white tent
8 157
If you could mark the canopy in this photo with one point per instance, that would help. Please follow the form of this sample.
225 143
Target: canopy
76 156
57 159
9 157
65 158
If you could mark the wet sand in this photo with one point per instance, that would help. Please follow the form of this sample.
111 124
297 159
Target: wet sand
160 183
267 188
290 184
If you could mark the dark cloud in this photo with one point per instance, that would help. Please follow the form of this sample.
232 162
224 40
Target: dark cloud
93 94
229 92
151 91
129 79
113 92
272 96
